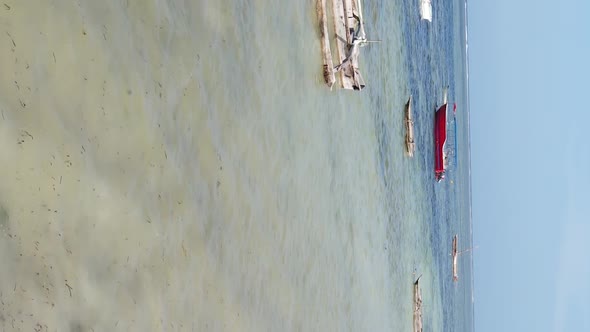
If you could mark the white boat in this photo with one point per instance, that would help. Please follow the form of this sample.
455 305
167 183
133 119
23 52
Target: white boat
426 10
455 254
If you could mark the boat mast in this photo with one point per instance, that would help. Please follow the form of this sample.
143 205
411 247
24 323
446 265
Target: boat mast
467 250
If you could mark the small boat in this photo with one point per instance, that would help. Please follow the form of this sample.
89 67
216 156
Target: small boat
426 10
410 144
441 161
417 306
455 254
455 150
348 27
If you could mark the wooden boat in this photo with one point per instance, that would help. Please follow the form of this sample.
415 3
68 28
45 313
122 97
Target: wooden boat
410 144
328 65
417 306
348 25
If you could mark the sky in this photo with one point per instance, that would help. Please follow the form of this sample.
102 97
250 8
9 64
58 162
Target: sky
530 110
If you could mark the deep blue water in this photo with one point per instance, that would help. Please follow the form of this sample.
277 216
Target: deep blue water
433 56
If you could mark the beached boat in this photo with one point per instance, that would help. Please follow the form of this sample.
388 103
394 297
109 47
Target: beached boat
410 144
348 25
417 306
426 10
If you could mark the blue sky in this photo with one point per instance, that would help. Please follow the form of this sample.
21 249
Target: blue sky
530 120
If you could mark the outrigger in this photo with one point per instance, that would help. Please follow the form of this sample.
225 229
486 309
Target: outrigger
350 37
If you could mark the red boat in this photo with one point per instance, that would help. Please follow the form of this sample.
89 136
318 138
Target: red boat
440 140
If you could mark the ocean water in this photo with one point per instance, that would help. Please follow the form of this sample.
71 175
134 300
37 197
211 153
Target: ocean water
180 166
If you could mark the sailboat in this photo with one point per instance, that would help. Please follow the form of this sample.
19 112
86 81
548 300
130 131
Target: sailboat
455 253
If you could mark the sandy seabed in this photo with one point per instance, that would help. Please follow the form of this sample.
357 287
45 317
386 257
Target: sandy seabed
147 186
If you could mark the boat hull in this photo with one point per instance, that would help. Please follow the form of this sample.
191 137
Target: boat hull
346 19
417 307
440 139
410 144
455 254
426 10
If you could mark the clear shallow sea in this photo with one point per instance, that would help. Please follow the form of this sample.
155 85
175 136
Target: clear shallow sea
177 165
